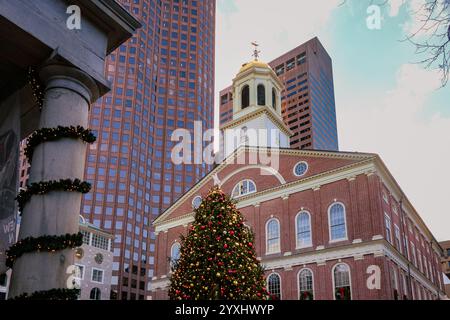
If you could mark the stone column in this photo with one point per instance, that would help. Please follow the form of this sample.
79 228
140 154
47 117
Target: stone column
68 94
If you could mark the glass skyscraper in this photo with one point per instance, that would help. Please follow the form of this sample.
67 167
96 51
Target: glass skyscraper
162 79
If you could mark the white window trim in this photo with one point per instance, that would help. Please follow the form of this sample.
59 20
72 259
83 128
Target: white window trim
329 224
310 230
349 279
281 284
267 239
171 248
192 203
298 282
307 168
84 270
397 231
386 227
92 275
242 195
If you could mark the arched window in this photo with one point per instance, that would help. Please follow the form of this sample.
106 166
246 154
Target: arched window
303 225
274 286
196 202
336 219
174 254
245 97
342 286
261 95
244 187
305 285
95 294
273 236
274 98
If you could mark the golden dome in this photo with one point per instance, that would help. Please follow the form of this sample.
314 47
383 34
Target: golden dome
254 63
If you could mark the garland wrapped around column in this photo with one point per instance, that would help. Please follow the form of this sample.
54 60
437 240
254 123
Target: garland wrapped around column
48 243
53 134
53 294
43 187
43 243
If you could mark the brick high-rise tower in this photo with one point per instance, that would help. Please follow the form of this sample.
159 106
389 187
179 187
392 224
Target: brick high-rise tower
308 105
163 79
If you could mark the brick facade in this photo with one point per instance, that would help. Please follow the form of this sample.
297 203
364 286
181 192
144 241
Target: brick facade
360 183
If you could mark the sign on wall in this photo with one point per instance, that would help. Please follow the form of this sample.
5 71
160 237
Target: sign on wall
9 161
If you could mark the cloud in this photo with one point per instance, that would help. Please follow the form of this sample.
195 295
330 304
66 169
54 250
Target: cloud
277 26
394 7
416 149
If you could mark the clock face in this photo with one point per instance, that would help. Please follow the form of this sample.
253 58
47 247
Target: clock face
98 258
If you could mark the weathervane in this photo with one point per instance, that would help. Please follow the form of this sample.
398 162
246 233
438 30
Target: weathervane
256 52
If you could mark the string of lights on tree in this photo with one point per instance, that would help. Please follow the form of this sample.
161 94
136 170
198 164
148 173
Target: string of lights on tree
52 294
43 187
217 257
44 243
52 134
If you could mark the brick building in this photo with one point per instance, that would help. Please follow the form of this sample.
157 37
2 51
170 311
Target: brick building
308 104
328 225
446 265
94 261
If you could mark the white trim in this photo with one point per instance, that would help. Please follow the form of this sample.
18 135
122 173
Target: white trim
349 279
84 270
281 286
92 275
390 227
245 194
279 236
307 168
192 202
254 166
297 247
171 250
298 282
329 223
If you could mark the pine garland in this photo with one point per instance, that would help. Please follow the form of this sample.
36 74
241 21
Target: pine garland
52 134
52 294
44 187
44 243
36 86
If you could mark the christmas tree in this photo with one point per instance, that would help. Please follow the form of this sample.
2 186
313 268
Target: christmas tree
217 257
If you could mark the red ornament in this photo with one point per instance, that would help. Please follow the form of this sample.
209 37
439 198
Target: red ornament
202 227
225 246
232 232
250 244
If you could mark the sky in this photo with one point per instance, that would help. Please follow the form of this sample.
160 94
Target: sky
386 103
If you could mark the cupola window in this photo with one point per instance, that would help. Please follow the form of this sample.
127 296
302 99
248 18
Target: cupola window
261 95
245 97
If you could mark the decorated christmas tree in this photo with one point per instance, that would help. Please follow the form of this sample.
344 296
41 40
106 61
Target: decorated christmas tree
217 257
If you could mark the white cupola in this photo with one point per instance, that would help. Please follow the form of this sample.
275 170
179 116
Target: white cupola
257 120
